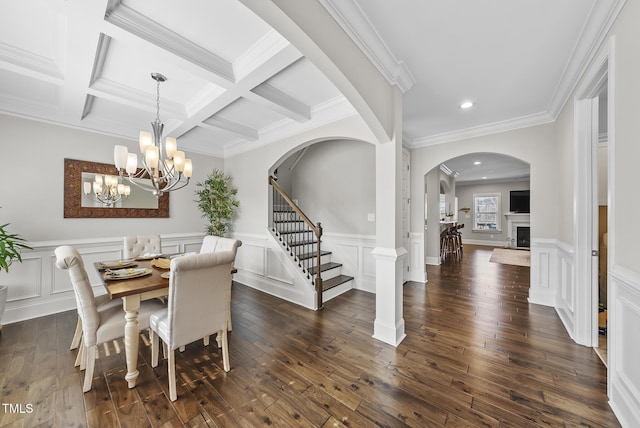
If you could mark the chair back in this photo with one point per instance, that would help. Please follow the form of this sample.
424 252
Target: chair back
213 244
134 246
68 258
199 296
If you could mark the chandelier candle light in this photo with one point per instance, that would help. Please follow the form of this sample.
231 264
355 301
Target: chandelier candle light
165 165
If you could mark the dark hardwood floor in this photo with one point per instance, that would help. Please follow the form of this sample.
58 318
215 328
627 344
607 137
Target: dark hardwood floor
476 354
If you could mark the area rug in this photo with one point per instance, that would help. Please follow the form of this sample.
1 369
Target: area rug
511 257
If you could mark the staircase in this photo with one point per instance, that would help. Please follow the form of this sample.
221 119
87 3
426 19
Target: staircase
301 239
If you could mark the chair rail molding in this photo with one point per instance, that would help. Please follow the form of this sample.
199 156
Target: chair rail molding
37 288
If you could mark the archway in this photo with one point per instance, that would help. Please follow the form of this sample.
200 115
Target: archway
456 182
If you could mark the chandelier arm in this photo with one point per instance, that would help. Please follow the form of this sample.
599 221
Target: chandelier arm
174 186
141 186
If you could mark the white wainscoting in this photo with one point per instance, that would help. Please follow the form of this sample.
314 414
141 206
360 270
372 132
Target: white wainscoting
624 346
38 288
553 279
262 265
354 252
417 262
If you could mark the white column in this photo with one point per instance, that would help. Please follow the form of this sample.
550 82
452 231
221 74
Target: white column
389 324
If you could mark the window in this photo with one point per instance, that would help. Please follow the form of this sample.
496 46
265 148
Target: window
486 209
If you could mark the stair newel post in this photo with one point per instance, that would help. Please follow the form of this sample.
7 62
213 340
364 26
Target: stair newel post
276 202
318 263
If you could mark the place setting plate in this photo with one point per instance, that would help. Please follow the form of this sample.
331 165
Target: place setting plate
117 264
113 275
161 263
148 256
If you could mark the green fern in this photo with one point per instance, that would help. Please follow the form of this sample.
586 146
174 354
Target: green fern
216 200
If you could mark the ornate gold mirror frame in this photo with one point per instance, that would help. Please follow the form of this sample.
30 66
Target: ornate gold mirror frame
73 208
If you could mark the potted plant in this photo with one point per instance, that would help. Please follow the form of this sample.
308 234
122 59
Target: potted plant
217 201
10 246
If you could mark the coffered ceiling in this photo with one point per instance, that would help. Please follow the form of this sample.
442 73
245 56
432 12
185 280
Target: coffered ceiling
234 83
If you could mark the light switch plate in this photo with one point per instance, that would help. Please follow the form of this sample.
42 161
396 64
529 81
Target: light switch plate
371 217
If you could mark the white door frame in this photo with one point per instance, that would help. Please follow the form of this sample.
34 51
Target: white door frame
585 234
406 212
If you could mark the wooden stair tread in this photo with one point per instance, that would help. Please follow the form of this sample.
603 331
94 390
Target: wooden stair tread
325 267
304 242
312 254
334 282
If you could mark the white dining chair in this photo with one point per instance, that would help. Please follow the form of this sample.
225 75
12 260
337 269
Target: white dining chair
199 296
97 326
212 244
138 245
103 302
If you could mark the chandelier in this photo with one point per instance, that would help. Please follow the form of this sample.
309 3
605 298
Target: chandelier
108 191
164 167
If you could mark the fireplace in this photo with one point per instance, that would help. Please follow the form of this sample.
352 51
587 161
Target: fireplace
515 222
523 237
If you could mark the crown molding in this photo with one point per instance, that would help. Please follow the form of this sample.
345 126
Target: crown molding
123 94
602 17
478 131
30 64
355 23
262 51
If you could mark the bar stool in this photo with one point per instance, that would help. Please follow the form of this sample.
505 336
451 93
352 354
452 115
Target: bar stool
453 242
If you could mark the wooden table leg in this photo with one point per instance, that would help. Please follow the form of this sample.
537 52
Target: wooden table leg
131 305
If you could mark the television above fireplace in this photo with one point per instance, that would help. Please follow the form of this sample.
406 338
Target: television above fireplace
519 201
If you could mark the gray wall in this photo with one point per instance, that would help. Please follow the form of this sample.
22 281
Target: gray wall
334 183
31 196
465 199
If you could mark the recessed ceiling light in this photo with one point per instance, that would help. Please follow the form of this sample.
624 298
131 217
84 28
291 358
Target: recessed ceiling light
466 105
477 163
484 178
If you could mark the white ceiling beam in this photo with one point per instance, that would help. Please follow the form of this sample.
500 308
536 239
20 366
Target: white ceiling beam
82 36
233 127
145 28
277 100
280 60
132 97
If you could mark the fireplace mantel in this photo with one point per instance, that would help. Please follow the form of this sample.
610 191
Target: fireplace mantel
515 220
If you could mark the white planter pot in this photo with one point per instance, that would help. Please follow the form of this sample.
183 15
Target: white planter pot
4 290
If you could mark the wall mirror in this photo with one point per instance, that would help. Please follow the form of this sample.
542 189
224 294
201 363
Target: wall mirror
80 200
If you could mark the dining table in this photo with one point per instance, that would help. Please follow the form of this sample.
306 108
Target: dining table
133 291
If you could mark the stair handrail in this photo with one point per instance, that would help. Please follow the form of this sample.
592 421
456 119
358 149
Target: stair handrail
317 230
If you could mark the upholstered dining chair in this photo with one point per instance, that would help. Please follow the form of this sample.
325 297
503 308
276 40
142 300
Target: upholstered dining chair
199 296
138 245
97 326
212 244
103 302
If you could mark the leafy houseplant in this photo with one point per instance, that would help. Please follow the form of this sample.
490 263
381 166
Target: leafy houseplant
217 201
10 246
